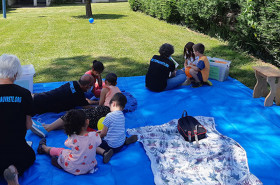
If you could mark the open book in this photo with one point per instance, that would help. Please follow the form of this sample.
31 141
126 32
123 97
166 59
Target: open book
176 64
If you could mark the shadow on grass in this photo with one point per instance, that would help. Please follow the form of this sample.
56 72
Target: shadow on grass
8 10
100 16
71 68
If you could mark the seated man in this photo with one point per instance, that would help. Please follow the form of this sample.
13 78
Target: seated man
63 98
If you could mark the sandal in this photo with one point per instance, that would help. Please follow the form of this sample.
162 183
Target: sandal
40 149
11 175
131 139
107 156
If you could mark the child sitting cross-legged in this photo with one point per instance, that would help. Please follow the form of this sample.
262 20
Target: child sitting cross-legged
113 132
80 159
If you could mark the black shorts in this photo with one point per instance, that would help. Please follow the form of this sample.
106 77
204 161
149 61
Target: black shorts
106 147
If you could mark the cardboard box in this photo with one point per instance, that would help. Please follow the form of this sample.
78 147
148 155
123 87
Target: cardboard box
26 79
219 69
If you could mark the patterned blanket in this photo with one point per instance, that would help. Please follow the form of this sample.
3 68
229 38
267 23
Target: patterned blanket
218 160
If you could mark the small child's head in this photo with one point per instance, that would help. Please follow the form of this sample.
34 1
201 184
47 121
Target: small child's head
119 100
75 121
166 50
111 78
188 50
198 48
97 67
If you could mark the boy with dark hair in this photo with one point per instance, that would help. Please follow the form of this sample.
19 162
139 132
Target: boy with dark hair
113 132
200 73
120 100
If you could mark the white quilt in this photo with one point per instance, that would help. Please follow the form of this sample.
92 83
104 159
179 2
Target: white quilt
218 160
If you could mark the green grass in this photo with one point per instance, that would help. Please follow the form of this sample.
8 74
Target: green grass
61 43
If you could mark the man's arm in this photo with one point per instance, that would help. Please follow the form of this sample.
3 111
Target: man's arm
28 122
92 102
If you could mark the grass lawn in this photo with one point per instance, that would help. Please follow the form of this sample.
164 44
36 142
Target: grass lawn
61 43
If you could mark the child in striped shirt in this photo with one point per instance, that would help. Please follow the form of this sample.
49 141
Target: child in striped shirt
113 132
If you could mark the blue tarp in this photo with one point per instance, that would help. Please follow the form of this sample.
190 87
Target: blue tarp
237 114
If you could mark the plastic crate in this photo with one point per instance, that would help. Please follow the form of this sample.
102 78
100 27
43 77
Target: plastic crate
219 69
26 79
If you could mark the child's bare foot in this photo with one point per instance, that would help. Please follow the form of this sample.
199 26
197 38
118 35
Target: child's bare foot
11 175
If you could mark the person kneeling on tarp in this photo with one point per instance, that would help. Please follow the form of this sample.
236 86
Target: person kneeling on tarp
15 117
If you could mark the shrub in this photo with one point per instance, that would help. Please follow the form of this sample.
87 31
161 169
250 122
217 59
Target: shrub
258 29
214 17
134 5
59 2
161 9
252 25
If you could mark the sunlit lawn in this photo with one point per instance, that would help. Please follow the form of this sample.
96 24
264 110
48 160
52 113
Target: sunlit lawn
61 43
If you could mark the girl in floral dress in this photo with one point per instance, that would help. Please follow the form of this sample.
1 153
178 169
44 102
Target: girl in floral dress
80 159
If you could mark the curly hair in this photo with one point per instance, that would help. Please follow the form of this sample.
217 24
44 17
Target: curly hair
166 50
97 66
74 122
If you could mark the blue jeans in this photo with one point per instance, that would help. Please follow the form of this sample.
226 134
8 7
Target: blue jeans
176 80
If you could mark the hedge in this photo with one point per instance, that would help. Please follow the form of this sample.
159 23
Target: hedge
253 25
60 2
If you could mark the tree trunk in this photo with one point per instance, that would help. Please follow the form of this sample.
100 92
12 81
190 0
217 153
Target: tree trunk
88 8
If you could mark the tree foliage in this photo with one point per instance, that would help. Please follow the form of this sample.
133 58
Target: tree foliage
253 25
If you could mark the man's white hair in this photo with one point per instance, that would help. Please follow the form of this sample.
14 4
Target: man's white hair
10 67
